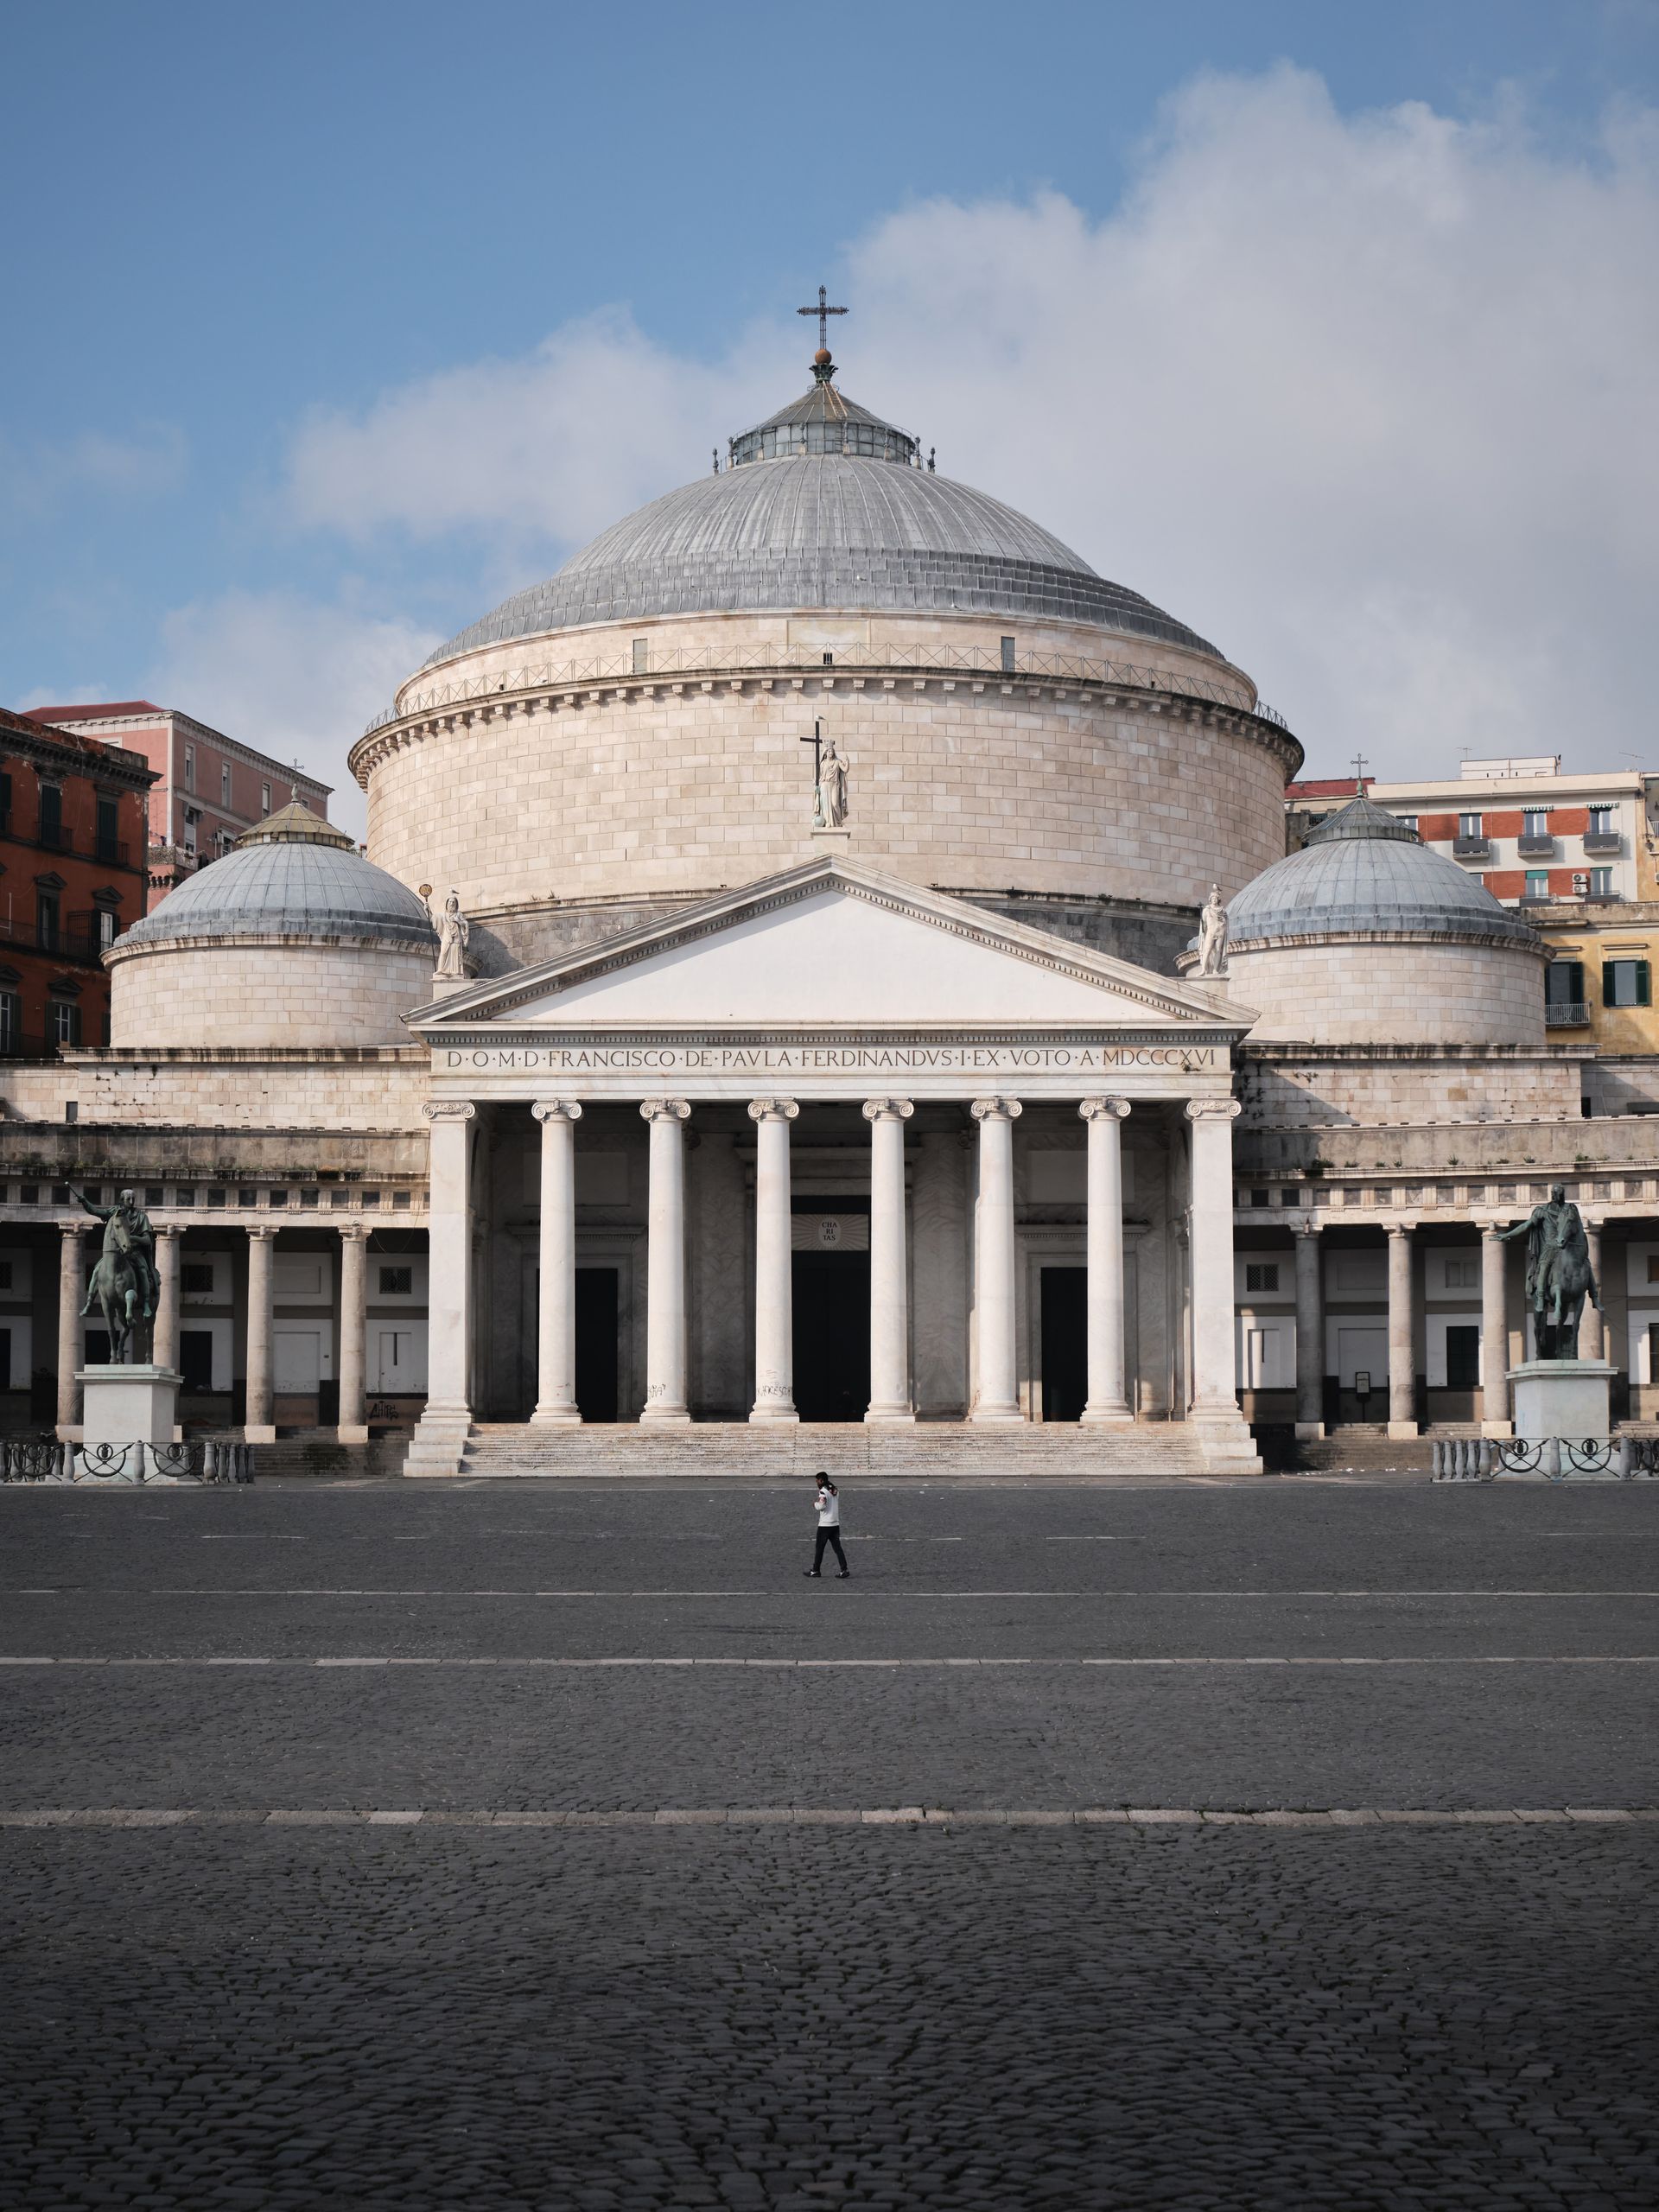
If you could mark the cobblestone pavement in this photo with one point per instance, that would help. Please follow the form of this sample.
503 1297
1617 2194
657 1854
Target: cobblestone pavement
240 2014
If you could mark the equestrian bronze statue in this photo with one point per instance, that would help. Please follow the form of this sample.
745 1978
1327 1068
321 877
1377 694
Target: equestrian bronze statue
124 1284
1558 1274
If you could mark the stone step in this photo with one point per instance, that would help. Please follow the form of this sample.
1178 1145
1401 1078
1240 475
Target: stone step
720 1450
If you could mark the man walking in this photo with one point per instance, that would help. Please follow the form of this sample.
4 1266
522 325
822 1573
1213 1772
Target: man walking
829 1506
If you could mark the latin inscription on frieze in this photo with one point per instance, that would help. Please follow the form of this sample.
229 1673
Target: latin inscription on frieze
820 1060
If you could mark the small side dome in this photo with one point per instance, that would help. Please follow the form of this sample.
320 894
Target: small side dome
295 875
292 939
1367 935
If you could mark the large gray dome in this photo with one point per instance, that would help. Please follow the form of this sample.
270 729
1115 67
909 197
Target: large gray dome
295 876
1362 873
824 506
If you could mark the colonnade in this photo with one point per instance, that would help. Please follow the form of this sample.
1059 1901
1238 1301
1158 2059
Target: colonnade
1494 1358
996 1363
353 1300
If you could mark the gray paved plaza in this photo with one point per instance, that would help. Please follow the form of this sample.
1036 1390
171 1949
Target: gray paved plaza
495 2005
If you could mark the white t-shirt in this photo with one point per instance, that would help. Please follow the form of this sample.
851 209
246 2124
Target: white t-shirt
829 1509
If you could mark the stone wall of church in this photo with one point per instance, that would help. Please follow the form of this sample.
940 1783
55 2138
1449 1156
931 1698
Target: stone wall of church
288 991
293 1091
1396 991
1383 1086
976 782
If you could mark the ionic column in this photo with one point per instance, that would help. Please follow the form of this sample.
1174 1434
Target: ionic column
1310 1333
1108 1401
164 1335
556 1341
1402 1395
890 1399
1494 1334
1210 1264
72 1294
665 1263
354 1302
1592 1332
257 1426
449 1267
774 1262
996 1260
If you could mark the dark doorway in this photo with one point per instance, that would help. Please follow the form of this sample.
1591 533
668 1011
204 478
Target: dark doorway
596 1342
196 1358
1462 1357
1065 1343
832 1335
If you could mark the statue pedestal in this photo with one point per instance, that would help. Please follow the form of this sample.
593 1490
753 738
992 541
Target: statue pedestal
126 1409
1562 1397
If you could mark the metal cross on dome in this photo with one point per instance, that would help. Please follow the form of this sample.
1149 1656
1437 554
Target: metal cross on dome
823 311
1359 773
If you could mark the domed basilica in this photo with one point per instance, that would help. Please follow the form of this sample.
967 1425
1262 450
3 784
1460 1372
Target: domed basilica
825 985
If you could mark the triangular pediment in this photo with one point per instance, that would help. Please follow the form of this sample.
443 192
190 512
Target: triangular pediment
830 943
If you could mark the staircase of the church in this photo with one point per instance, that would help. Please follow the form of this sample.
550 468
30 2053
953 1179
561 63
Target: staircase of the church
939 1451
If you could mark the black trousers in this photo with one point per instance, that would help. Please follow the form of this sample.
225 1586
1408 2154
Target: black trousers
832 1537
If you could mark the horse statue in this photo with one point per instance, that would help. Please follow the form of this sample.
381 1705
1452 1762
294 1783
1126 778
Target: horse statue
1558 1274
124 1284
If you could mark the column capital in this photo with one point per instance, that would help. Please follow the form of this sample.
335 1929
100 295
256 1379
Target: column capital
355 1232
449 1109
887 1110
769 1109
666 1109
556 1110
1400 1228
1305 1228
76 1227
1212 1109
1104 1109
996 1110
263 1234
174 1231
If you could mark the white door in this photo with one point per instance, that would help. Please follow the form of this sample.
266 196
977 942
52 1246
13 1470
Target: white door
396 1358
299 1361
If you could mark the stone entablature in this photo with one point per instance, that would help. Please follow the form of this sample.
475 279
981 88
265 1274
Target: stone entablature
1297 1086
302 1090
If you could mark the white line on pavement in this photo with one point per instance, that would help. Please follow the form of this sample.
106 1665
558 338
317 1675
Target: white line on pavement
818 1817
1449 1659
889 1597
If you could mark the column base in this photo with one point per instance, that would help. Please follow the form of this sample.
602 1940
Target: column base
439 1440
1498 1428
997 1417
69 1432
557 1417
352 1432
1310 1432
258 1432
774 1416
1223 1438
665 1416
892 1416
1118 1416
1400 1429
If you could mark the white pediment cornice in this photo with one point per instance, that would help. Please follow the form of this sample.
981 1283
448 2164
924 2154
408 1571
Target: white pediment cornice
534 992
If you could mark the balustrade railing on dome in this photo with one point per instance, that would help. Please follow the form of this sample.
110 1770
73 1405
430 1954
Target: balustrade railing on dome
920 660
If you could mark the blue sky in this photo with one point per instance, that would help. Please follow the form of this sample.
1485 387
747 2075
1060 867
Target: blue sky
330 324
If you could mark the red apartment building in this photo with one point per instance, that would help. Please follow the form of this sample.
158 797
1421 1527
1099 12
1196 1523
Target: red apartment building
72 871
208 788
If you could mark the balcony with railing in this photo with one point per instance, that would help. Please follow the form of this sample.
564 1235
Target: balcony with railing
1565 1014
1603 840
1535 845
57 837
79 938
1472 849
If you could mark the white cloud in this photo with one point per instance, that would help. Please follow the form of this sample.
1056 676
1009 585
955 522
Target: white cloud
38 477
595 422
295 678
1365 400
